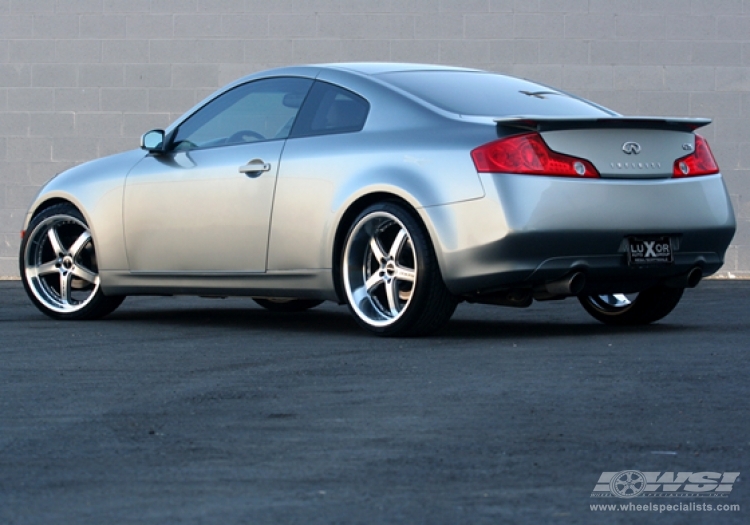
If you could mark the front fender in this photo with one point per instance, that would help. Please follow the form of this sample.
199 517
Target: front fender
96 189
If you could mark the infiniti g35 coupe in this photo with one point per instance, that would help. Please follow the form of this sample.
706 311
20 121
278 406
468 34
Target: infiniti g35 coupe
398 189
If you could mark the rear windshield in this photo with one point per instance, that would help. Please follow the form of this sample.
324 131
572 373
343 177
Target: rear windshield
488 94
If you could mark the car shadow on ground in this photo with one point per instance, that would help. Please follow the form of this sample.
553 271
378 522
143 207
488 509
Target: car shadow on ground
488 329
323 321
335 320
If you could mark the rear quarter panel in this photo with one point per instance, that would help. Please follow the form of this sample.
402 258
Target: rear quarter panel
321 177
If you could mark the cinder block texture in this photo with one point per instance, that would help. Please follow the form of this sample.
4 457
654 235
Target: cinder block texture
85 78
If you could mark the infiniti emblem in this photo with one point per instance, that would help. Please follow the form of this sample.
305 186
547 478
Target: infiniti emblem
631 148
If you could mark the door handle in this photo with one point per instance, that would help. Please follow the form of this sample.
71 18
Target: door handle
255 167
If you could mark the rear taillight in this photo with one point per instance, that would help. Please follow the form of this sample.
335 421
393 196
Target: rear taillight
528 154
700 162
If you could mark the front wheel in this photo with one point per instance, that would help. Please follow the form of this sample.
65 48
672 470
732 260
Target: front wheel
641 308
59 267
390 274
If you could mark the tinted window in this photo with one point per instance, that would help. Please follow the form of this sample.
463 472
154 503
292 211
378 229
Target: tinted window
487 94
252 112
330 109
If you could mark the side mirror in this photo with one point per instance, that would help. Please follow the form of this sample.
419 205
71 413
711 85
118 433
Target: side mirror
153 141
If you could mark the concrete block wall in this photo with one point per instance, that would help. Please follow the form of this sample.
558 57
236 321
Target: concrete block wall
85 78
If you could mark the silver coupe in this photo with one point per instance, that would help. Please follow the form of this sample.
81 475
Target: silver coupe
398 189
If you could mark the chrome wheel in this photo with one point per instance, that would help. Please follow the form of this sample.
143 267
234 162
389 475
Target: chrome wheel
632 309
59 266
612 303
390 275
379 268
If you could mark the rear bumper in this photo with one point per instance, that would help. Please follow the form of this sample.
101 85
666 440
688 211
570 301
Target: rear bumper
531 230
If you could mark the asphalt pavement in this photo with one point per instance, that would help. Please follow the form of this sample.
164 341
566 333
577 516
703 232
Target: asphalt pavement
189 410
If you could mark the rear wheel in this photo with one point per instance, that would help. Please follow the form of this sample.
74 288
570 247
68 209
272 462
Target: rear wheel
59 266
287 305
390 274
632 309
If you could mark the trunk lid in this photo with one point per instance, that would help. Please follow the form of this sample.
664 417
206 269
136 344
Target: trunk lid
619 147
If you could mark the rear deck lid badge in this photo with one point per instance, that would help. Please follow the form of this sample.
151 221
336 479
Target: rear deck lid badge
631 148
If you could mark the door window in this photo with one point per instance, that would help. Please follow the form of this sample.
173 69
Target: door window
256 111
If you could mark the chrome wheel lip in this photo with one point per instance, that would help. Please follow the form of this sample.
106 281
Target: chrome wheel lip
66 266
363 278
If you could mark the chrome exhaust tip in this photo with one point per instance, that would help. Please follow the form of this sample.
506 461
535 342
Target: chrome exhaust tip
687 280
694 276
570 285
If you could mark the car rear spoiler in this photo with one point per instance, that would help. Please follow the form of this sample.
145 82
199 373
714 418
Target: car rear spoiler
543 123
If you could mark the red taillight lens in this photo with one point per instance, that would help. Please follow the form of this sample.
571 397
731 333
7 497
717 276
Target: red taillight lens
529 154
700 162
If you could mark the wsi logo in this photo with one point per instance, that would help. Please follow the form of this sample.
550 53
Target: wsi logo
634 483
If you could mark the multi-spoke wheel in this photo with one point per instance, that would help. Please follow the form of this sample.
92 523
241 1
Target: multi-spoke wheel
632 309
59 267
284 305
391 276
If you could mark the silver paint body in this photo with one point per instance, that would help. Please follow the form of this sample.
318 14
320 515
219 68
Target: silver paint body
191 223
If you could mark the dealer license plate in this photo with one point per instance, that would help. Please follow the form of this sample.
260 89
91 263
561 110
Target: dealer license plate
649 250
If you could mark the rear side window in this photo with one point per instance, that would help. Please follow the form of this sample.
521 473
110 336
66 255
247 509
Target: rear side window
330 109
491 95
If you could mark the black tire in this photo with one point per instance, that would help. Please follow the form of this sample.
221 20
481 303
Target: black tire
287 305
645 307
59 268
397 291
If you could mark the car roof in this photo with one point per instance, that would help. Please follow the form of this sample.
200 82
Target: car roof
376 68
